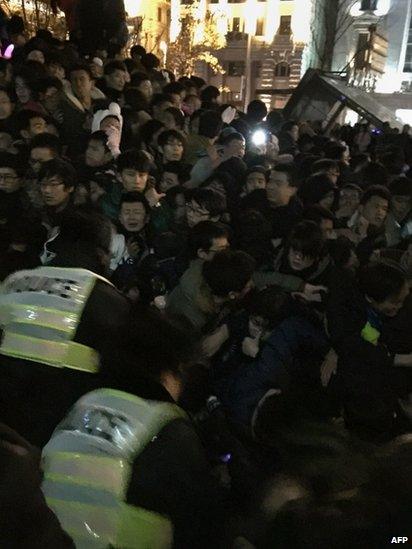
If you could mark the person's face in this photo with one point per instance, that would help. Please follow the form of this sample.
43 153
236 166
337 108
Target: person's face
195 213
328 200
173 150
9 181
294 132
22 90
349 199
117 80
333 174
56 71
278 190
133 216
327 228
176 100
96 154
54 193
299 262
6 106
39 156
218 245
236 148
110 122
401 206
376 210
6 141
193 104
38 125
81 83
134 181
36 55
257 325
51 99
346 157
146 88
254 181
393 304
168 181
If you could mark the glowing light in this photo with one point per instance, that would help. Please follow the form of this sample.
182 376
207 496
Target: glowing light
389 82
163 49
175 24
405 115
301 22
250 15
200 16
383 8
351 117
132 7
222 18
272 20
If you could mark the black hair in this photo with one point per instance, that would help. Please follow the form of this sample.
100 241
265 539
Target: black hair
315 188
324 165
253 233
47 141
174 88
257 110
233 136
209 94
24 116
334 151
317 213
372 174
258 169
159 98
137 78
179 168
101 137
113 66
289 125
44 84
341 250
61 169
401 186
290 171
150 61
381 280
148 130
138 50
135 99
210 124
12 161
4 64
113 49
270 304
201 236
170 134
9 92
81 67
212 201
307 238
130 198
178 116
134 160
228 271
376 190
197 81
359 161
393 162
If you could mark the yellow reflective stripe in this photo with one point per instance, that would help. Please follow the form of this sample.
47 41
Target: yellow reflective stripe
41 316
370 334
126 526
65 354
110 474
173 408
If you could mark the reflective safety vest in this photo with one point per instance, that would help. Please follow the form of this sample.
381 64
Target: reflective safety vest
40 311
88 464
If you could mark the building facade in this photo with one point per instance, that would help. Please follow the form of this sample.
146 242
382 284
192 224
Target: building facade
266 46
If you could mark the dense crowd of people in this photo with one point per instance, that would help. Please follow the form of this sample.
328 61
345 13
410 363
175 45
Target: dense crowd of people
252 269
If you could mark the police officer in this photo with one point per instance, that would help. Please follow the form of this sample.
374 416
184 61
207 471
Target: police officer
59 323
127 459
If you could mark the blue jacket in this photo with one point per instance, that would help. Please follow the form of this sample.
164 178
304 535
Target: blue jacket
293 340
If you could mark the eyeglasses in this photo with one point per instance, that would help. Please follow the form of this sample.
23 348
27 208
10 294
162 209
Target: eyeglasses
50 184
